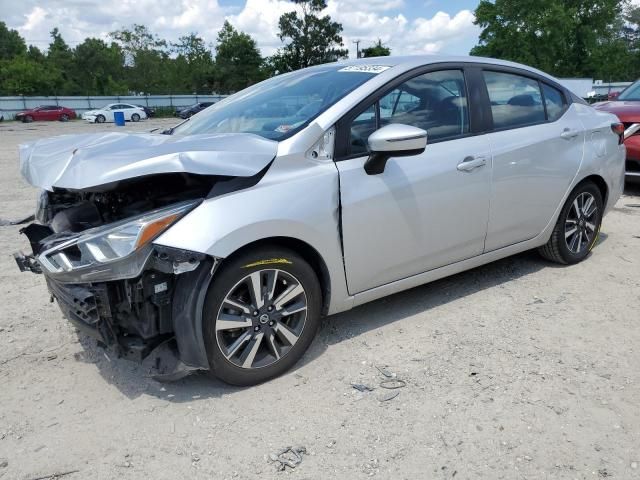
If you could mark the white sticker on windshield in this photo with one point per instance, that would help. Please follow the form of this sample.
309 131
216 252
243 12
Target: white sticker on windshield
365 68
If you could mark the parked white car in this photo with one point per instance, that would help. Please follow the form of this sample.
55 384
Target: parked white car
132 113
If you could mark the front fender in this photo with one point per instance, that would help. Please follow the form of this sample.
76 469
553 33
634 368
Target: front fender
300 203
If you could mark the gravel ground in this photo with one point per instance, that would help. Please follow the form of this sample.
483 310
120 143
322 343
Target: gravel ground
516 370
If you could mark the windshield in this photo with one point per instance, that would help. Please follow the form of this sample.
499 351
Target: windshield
632 92
278 107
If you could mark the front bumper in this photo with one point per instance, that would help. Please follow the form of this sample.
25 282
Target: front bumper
135 317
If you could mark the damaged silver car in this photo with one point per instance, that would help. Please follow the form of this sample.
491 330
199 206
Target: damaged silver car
221 243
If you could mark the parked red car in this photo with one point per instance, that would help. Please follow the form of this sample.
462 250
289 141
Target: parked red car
626 106
46 112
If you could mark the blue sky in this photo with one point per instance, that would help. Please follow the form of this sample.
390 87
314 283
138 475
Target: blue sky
407 26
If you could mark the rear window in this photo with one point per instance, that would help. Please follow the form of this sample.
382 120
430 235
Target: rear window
516 101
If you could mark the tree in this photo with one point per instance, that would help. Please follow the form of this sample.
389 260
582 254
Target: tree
193 66
313 39
23 76
562 37
99 67
60 65
376 50
238 61
11 43
146 59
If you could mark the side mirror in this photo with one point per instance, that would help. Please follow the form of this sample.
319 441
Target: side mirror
395 140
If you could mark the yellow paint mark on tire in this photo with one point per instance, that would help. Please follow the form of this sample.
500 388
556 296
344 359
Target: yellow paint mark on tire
270 261
597 239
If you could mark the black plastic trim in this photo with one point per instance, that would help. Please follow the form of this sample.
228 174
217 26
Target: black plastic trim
188 302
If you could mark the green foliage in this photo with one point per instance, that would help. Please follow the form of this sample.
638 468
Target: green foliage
376 50
99 68
24 76
11 43
193 66
567 38
312 39
238 61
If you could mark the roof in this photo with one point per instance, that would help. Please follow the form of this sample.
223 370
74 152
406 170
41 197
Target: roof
408 62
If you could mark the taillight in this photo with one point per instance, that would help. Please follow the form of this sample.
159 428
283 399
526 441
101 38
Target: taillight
618 129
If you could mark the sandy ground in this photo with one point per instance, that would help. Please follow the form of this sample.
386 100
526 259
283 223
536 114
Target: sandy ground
516 370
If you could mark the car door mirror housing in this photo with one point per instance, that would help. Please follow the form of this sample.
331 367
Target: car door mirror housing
394 140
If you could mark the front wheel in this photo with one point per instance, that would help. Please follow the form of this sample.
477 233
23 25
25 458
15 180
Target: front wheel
260 315
135 117
100 119
578 226
64 117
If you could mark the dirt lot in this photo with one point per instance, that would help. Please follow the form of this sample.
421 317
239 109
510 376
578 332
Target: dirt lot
516 370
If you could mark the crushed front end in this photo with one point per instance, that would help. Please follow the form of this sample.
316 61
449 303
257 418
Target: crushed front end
96 252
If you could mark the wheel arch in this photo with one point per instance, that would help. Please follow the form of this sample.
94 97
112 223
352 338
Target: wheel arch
308 253
599 181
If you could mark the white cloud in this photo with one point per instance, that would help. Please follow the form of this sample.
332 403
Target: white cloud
362 20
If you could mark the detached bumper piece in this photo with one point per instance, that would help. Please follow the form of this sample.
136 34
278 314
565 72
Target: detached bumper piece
27 263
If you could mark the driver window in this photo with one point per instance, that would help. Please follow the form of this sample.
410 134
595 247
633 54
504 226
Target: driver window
435 102
361 127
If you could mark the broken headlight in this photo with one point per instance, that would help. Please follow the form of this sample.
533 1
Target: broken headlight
95 249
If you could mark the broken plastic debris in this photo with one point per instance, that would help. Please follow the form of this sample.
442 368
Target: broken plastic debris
288 457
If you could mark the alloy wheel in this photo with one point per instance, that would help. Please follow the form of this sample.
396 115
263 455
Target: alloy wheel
580 225
261 318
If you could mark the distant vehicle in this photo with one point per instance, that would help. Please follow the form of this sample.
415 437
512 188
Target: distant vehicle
46 112
192 109
132 113
626 106
150 111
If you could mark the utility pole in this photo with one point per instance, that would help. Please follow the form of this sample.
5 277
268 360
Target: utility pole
357 42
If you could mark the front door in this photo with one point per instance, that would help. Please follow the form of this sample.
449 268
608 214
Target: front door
423 211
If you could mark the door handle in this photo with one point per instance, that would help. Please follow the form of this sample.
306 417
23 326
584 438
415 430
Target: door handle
471 163
569 134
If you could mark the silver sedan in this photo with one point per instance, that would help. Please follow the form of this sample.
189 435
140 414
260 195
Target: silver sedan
221 243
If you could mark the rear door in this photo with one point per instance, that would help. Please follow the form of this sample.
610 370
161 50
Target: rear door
537 145
423 211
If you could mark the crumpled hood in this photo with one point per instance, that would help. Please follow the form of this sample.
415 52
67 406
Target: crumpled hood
82 161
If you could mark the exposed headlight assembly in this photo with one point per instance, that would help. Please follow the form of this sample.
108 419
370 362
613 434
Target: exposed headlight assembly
111 252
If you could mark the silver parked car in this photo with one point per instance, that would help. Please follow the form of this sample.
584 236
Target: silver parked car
220 244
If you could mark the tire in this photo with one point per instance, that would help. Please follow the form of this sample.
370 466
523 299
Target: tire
100 119
27 119
135 117
282 332
576 233
64 117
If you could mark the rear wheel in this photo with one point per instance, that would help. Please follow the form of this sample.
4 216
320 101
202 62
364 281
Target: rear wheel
260 316
100 119
135 117
578 226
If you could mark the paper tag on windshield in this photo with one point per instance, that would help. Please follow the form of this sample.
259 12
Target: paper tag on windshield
365 68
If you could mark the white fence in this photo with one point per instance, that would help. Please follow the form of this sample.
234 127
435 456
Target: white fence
9 106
